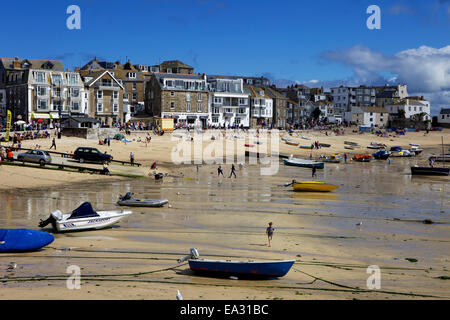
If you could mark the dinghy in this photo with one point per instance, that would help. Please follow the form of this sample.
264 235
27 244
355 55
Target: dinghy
381 155
292 143
241 269
129 201
83 218
403 153
334 158
296 162
306 147
363 157
313 186
23 240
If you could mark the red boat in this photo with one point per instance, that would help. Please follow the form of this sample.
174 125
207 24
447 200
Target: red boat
363 157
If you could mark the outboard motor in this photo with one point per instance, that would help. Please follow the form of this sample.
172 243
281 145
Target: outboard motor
193 255
159 176
54 216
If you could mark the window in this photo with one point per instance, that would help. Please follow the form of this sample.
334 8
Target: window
115 108
57 79
199 107
100 107
74 92
169 83
40 77
215 110
199 97
169 70
132 75
172 94
188 107
115 95
172 105
134 96
188 96
237 120
242 101
215 119
242 111
56 92
42 105
75 106
125 96
42 91
134 86
99 94
218 100
73 79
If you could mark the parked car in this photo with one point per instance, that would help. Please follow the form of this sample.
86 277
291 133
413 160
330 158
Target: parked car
83 154
38 156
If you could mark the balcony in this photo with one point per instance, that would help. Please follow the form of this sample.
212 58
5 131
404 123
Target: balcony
105 86
228 114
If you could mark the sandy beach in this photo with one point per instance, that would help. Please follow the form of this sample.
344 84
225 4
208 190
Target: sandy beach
226 218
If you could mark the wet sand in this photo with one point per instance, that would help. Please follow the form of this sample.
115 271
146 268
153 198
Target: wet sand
226 218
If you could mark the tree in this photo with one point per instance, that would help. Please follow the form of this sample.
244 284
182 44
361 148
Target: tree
401 114
316 113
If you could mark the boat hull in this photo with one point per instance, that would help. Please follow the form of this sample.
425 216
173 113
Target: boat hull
23 240
104 220
429 171
292 143
306 164
313 186
242 268
151 203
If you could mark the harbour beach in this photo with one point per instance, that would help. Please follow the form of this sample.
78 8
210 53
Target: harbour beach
226 218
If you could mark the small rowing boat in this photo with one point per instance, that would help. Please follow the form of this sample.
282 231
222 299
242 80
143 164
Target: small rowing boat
430 171
296 162
243 269
306 147
129 201
23 240
83 218
313 186
292 143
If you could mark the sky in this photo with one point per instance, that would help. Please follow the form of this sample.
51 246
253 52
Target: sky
317 43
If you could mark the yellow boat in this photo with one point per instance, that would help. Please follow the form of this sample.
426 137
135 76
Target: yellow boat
313 186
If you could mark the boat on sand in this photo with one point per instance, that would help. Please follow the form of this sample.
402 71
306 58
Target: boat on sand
23 240
296 162
83 218
313 186
129 201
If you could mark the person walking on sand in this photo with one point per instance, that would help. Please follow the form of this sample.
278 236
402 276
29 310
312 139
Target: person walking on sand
53 144
345 157
219 171
269 232
132 158
233 171
314 171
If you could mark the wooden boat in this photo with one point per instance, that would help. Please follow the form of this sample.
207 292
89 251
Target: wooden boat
23 240
363 157
129 201
306 147
292 143
313 186
83 218
243 269
303 163
381 155
430 171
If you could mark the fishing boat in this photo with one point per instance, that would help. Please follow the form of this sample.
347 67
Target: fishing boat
242 269
402 154
129 201
363 157
296 162
313 186
430 171
23 240
396 149
83 218
381 155
292 143
306 147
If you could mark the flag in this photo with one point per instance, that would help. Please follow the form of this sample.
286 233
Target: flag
8 124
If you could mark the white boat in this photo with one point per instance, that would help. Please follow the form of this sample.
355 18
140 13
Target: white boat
416 150
83 218
296 162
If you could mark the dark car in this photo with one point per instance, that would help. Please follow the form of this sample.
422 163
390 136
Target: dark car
83 154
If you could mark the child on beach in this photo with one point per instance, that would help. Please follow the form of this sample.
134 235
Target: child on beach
269 232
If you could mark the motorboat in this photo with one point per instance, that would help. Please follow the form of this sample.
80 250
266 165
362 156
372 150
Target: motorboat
23 240
242 269
129 201
334 158
83 218
416 150
403 153
381 155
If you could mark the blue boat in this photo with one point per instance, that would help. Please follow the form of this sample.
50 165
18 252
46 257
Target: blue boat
381 155
23 240
242 269
396 149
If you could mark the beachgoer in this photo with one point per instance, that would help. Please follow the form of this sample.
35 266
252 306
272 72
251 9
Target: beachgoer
314 171
345 157
269 232
132 158
219 171
232 171
53 144
431 163
153 167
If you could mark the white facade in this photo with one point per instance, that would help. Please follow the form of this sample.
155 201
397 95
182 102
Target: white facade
340 99
411 108
444 116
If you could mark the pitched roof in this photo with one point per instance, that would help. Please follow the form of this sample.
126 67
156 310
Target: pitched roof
97 75
175 64
255 92
274 94
54 65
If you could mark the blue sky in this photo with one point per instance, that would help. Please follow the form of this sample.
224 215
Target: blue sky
287 40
